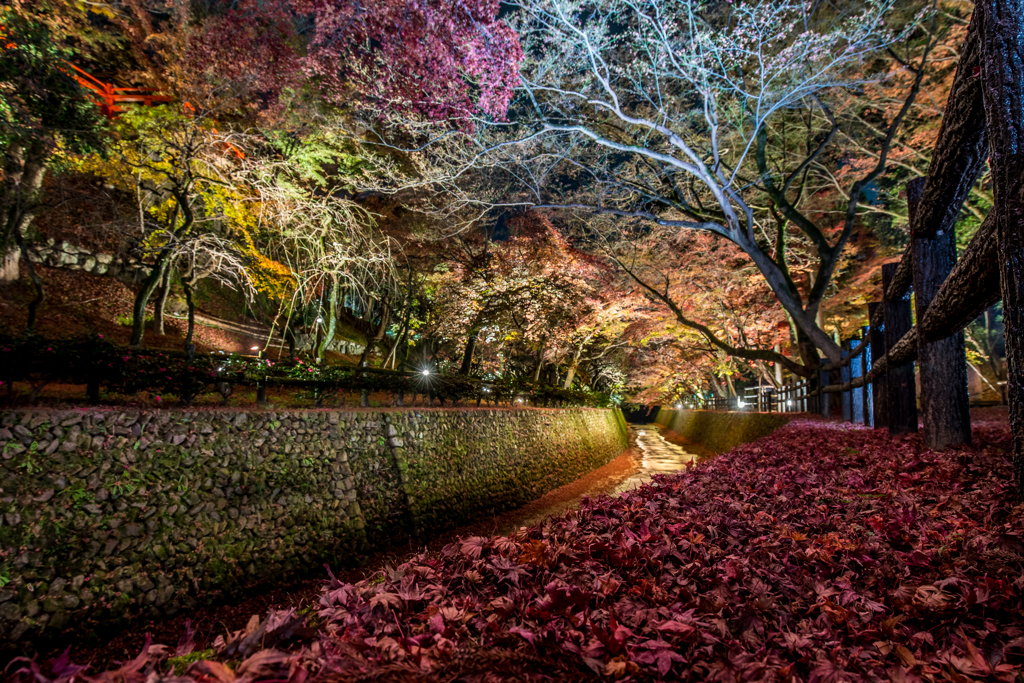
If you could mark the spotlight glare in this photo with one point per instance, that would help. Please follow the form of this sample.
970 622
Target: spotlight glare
426 372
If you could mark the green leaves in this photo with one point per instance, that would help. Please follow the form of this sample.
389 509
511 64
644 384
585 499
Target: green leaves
41 104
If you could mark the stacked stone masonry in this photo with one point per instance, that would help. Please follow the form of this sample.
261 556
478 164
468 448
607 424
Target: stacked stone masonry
721 431
73 257
111 514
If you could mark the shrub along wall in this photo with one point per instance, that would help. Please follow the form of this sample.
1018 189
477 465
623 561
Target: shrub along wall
106 514
721 431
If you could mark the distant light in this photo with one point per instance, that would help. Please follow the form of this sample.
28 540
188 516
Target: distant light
255 348
789 403
679 405
426 372
319 319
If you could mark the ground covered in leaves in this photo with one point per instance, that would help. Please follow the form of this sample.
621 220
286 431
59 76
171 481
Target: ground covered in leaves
824 552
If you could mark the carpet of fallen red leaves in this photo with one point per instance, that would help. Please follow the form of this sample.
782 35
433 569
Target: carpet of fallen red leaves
824 552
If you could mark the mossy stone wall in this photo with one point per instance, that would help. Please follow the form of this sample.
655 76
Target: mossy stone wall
106 514
721 431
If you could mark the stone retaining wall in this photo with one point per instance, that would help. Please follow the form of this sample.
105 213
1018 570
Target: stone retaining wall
721 431
73 257
108 514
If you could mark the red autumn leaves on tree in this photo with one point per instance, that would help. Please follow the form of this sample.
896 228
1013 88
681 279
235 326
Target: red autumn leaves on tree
437 59
411 56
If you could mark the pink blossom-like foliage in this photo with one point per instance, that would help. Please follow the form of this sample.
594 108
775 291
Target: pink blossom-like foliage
441 59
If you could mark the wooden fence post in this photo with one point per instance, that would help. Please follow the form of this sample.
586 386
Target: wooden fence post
945 402
865 391
856 402
824 400
901 406
845 374
879 391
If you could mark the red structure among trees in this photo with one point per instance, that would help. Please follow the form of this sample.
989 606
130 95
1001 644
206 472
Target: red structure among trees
109 97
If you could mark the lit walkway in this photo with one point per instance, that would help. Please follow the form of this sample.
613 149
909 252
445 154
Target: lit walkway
657 456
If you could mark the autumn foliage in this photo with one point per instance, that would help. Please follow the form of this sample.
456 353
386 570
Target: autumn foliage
821 553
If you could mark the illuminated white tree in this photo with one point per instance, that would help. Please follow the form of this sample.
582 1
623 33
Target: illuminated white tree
662 110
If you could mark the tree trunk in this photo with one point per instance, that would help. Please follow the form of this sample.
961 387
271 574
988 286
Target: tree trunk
901 406
403 341
374 338
570 375
972 286
1002 75
190 304
467 356
332 320
37 284
161 302
540 364
729 384
23 176
716 388
142 300
961 149
945 401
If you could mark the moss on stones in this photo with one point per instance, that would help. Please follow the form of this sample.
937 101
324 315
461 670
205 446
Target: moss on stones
155 507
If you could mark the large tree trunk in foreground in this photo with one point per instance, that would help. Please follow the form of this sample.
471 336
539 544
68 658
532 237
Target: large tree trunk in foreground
1002 74
961 149
945 401
971 288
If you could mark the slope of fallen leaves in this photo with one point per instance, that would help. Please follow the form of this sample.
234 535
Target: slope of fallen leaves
822 553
